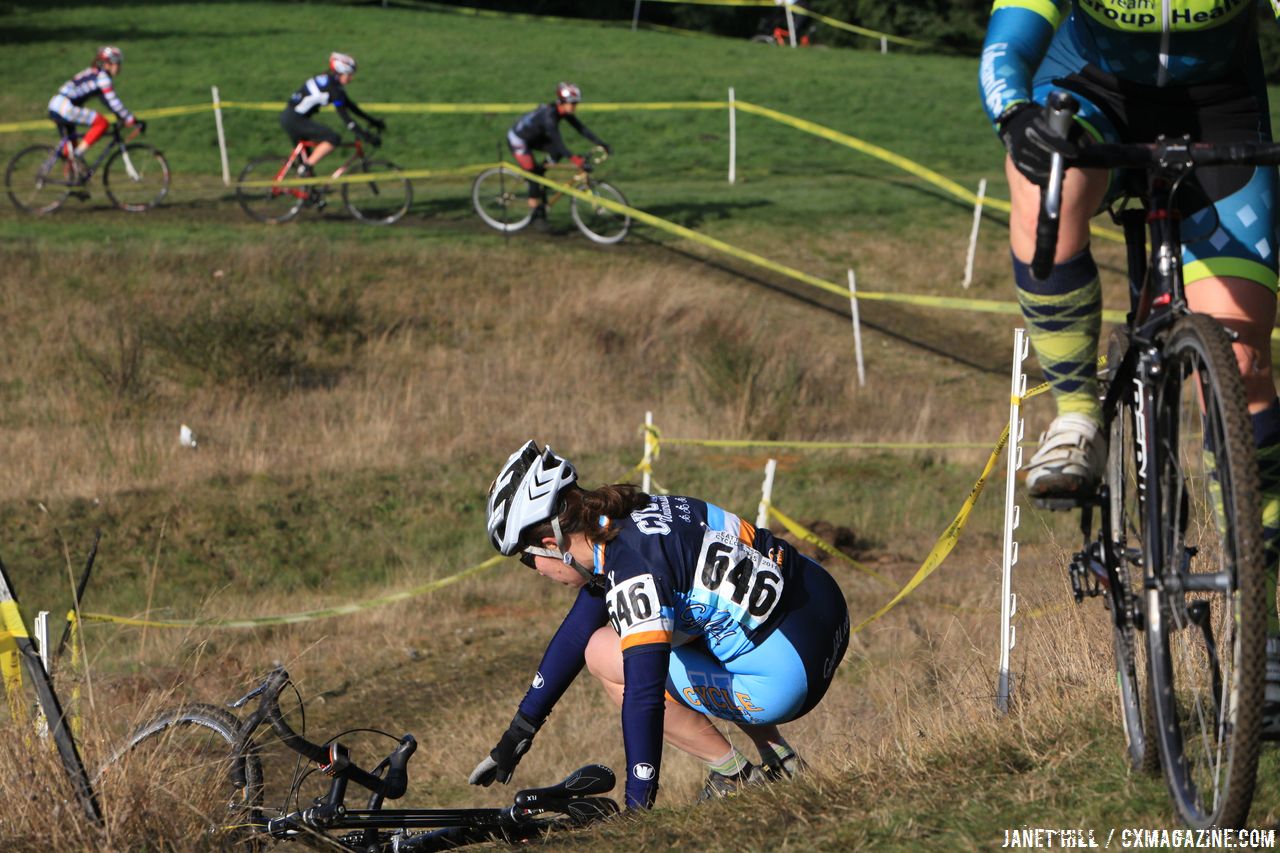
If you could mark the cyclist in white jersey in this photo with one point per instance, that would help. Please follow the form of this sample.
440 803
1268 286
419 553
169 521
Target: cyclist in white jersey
67 109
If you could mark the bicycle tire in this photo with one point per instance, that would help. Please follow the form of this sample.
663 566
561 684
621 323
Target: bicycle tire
378 202
145 181
496 198
38 181
177 766
273 205
1137 714
601 224
1206 648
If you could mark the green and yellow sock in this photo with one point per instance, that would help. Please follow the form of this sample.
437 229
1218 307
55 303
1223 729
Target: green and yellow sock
1064 321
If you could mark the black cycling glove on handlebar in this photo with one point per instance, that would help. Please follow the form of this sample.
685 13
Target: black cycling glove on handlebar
502 761
1031 144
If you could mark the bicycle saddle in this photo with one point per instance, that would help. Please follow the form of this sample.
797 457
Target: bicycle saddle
583 782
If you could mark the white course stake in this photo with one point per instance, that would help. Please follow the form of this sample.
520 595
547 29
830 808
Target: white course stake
973 235
791 21
222 137
733 137
648 453
40 634
884 44
635 17
1012 516
766 494
857 328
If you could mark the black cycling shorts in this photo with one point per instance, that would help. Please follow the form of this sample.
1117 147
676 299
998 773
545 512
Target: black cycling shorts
300 127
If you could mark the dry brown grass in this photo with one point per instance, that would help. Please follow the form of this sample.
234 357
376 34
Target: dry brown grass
442 354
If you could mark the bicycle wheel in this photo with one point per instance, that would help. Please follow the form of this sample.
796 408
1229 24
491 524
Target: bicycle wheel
1137 716
498 196
379 202
268 203
136 178
599 223
175 772
1205 613
38 180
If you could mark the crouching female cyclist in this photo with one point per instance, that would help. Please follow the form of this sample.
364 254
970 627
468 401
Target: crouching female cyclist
684 613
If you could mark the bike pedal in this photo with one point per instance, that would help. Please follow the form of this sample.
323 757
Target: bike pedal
1058 503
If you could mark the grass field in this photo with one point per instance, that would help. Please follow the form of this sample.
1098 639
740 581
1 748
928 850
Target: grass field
354 390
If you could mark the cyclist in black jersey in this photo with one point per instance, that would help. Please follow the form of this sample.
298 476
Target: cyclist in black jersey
685 614
539 130
316 92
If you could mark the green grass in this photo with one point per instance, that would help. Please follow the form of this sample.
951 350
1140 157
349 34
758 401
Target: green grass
665 160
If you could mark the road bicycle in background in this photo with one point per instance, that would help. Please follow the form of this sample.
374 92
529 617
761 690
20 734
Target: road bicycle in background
200 761
378 193
501 197
1178 556
135 175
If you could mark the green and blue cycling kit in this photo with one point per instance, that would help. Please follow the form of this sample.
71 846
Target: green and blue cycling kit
712 613
1141 68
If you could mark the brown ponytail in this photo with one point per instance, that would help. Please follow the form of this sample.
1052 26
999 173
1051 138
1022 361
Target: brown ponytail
580 511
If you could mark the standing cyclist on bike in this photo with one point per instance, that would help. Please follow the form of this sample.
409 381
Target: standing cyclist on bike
539 130
67 109
684 613
316 92
1139 70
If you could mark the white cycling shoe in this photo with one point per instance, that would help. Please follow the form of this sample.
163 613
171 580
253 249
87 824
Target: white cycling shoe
1067 467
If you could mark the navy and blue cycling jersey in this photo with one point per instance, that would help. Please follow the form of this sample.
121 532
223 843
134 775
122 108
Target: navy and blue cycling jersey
1150 42
683 574
540 129
319 91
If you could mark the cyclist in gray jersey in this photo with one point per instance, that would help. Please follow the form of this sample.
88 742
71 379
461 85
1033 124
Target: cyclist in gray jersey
539 130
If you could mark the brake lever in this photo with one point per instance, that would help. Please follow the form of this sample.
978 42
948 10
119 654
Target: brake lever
1061 109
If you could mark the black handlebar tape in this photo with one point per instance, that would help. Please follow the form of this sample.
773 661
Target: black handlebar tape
1061 109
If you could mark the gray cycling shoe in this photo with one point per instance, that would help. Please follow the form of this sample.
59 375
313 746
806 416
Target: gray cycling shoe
775 769
719 785
1271 698
1067 467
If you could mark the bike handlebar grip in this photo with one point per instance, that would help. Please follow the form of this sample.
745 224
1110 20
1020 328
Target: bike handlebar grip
1061 108
1046 246
396 780
1060 111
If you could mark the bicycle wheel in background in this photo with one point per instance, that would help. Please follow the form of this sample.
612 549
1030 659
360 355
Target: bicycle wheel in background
38 180
499 197
379 202
174 773
599 223
136 178
1137 715
268 203
1205 614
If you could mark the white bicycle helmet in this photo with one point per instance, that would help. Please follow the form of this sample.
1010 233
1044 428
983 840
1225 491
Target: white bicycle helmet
109 55
526 493
567 93
342 63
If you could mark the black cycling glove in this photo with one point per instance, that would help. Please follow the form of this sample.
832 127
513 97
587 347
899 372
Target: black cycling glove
502 760
1031 144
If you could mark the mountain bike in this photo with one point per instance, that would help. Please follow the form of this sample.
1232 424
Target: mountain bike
500 197
376 192
1177 557
201 760
41 177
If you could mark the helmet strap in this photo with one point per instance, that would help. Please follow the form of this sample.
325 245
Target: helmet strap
562 542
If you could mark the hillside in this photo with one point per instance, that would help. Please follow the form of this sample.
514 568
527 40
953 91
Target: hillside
354 390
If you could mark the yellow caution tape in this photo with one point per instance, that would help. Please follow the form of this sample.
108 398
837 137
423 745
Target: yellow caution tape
830 445
862 31
305 616
947 541
366 177
813 539
11 619
910 166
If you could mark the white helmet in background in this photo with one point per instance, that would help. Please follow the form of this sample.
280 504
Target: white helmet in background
342 63
567 93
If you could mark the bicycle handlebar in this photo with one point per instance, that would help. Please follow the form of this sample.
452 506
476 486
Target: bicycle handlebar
333 759
1171 156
